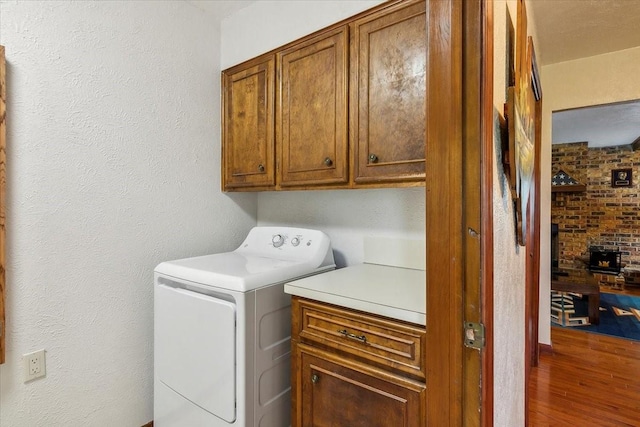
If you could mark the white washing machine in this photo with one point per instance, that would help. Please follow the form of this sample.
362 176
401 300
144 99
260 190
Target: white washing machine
222 330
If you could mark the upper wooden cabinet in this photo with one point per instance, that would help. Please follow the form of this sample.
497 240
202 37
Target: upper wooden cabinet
247 125
349 107
389 56
311 112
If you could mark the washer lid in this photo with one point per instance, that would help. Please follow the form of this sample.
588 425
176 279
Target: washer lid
237 271
267 256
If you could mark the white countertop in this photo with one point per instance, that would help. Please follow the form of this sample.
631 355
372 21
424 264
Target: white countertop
398 293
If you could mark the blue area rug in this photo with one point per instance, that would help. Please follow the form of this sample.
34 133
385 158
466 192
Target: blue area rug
619 314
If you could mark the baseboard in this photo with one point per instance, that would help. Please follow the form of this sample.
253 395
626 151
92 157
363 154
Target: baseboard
149 424
545 348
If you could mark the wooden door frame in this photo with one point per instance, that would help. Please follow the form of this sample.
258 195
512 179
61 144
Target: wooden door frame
532 274
459 221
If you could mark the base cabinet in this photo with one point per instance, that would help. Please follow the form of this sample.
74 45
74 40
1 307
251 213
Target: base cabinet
338 393
336 386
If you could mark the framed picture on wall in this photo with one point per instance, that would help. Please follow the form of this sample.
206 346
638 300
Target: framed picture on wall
621 178
522 123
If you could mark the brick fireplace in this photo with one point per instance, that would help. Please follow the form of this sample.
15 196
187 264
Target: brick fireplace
600 217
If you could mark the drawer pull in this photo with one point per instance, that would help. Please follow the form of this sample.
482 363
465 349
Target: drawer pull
347 334
315 379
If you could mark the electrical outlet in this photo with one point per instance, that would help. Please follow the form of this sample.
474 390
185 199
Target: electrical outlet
34 365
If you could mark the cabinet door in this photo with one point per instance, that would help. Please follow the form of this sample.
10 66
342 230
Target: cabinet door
311 123
248 128
389 54
337 392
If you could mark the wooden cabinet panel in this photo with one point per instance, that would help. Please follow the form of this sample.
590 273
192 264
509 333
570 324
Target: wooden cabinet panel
388 101
341 108
311 122
354 369
394 345
336 392
248 126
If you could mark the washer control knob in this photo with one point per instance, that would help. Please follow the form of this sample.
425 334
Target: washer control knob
295 241
277 240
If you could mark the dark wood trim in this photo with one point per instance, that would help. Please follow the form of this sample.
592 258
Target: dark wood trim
545 349
474 196
568 188
535 238
149 424
444 255
459 157
487 212
532 248
635 145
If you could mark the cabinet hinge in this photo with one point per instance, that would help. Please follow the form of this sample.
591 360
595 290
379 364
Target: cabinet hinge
474 335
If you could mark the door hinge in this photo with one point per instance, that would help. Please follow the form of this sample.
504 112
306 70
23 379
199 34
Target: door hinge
474 335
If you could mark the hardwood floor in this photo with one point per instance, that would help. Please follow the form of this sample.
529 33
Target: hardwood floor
588 380
628 290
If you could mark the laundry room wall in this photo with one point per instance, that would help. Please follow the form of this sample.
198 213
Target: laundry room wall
113 166
509 259
345 215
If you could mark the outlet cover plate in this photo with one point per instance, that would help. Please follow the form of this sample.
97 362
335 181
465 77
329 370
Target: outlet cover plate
34 365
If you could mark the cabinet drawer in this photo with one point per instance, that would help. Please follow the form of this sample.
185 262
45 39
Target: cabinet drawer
388 343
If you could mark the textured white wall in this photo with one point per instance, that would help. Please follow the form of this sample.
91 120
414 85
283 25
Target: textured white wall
113 166
347 216
595 80
509 258
268 24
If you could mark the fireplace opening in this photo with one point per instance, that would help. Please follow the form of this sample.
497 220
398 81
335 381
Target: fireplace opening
555 253
606 262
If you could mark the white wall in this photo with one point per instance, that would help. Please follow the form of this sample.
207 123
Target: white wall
345 215
601 79
268 24
348 215
113 166
509 258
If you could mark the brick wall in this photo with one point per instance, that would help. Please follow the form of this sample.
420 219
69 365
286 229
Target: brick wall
602 216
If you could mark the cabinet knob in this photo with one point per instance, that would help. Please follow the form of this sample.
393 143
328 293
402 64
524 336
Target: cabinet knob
315 379
373 158
261 167
328 161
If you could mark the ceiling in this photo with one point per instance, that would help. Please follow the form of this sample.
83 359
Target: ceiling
572 29
600 126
